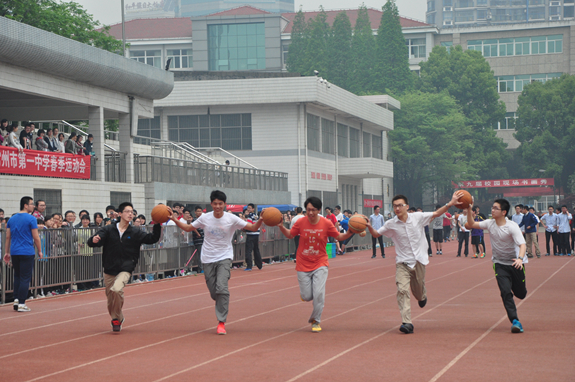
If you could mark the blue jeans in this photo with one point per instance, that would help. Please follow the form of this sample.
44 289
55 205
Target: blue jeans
23 266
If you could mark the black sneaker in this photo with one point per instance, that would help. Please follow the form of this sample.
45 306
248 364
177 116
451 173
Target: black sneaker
373 257
406 328
383 256
117 325
422 303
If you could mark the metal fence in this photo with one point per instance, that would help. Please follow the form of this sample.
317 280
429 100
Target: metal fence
70 264
169 170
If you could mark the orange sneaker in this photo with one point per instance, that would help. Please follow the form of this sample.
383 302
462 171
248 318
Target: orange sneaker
221 328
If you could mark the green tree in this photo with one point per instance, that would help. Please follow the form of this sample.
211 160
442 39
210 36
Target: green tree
340 51
363 55
67 19
468 78
546 128
298 46
393 72
317 52
422 159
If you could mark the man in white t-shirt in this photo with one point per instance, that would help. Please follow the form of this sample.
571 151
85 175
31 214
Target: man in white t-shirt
217 251
508 248
407 232
462 234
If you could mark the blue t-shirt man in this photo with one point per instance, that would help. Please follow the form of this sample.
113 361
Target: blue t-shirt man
21 240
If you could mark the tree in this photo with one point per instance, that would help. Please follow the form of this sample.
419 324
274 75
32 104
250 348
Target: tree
393 72
317 55
363 55
67 19
422 159
339 49
468 78
298 46
546 128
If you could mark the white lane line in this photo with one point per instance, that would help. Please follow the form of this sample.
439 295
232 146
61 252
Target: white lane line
472 345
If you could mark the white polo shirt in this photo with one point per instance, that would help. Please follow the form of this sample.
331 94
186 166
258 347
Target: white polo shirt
409 237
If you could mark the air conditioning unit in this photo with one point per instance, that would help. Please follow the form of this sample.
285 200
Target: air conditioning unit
554 18
448 9
554 3
447 22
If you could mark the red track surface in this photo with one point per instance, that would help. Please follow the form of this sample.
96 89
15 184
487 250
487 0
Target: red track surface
461 335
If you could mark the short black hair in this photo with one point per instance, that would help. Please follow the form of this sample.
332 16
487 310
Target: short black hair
397 197
72 134
24 201
338 207
38 202
551 207
68 212
314 201
412 209
84 217
519 205
504 204
437 206
41 131
198 208
142 217
298 210
219 195
475 208
90 136
251 205
328 208
110 207
98 214
564 205
123 206
375 207
1 210
39 221
86 213
187 210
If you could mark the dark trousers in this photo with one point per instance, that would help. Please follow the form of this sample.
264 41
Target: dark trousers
463 237
572 241
373 241
429 250
511 281
548 237
564 246
23 266
446 232
198 255
296 242
252 243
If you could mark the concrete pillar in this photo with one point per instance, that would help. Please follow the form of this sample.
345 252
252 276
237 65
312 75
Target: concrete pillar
96 123
127 144
164 135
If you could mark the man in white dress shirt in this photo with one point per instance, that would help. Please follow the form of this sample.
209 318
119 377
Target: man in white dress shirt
407 232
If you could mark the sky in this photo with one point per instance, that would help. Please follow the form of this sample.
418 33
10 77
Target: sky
109 11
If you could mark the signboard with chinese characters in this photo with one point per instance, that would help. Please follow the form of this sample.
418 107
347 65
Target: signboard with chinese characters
322 176
43 163
504 183
370 203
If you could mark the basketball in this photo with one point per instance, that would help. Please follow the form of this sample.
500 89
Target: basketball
466 200
272 216
363 234
160 214
357 223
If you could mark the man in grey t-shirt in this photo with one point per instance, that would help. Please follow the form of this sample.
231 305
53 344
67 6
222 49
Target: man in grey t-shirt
437 225
508 248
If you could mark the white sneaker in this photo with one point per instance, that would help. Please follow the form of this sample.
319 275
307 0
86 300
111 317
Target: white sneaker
16 304
23 308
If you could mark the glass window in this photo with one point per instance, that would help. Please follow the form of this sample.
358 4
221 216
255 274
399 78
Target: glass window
431 18
342 140
327 136
568 12
313 132
236 46
366 145
517 83
463 16
149 57
416 47
376 147
181 58
431 6
353 143
149 127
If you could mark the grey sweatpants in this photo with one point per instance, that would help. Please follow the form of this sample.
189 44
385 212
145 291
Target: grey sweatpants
312 287
217 275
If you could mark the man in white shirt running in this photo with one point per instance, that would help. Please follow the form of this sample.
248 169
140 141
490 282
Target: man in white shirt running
217 251
406 231
376 220
508 248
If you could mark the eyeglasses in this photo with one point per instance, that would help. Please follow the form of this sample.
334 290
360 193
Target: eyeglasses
129 212
495 209
399 205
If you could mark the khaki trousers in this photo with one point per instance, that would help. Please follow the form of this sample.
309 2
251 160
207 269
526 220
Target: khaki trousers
406 277
530 239
115 293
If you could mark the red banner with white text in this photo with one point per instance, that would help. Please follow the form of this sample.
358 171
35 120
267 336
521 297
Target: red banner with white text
504 183
43 163
370 203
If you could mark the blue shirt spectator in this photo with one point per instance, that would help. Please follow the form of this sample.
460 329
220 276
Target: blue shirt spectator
21 226
550 221
562 222
530 222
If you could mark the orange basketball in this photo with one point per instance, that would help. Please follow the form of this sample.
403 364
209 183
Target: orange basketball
466 200
272 216
160 214
362 234
357 223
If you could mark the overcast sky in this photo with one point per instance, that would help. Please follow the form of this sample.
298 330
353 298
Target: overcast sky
109 12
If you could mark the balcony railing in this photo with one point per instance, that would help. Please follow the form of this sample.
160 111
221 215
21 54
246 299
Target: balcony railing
149 169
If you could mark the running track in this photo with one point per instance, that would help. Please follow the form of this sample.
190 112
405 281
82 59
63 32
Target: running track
461 335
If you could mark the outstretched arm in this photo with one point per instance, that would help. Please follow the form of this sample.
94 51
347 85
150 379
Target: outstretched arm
284 230
185 227
453 202
255 227
471 223
373 231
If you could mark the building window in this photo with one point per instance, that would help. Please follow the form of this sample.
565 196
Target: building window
463 16
376 147
508 123
465 4
431 6
506 84
149 57
366 145
537 13
53 199
481 14
416 47
327 136
447 3
568 12
236 46
285 49
519 46
354 143
313 132
342 140
149 127
448 45
430 19
228 131
117 198
181 58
